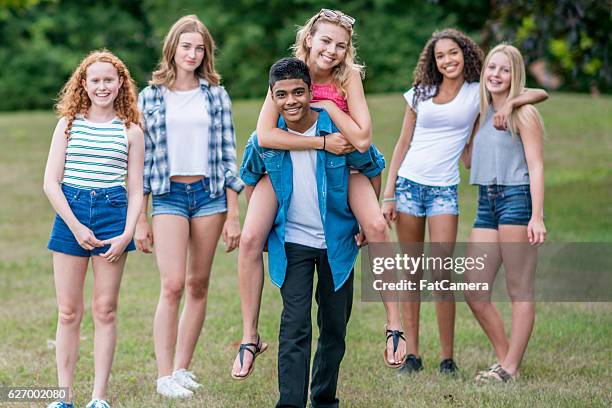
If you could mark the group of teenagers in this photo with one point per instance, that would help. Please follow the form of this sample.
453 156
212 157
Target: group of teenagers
313 183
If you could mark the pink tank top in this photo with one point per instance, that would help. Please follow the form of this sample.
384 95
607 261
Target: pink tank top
321 92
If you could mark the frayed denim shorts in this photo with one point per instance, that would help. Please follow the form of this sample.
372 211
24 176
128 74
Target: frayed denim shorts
503 205
420 200
102 210
189 200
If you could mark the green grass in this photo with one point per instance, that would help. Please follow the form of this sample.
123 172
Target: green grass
567 363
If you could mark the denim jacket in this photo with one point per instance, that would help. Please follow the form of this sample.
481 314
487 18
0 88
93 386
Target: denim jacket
221 141
339 223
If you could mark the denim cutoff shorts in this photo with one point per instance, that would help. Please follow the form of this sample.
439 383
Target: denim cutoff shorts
420 200
189 200
102 210
503 205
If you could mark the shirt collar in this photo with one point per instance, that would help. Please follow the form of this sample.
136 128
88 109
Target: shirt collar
204 83
324 122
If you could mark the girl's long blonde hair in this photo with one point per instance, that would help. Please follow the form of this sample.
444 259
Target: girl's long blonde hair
73 98
166 70
341 72
517 87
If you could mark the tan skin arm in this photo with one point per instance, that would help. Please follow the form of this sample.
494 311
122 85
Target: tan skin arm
531 135
529 96
399 152
356 127
466 155
271 137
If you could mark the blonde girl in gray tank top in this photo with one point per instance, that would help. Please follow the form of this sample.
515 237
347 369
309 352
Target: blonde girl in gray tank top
508 167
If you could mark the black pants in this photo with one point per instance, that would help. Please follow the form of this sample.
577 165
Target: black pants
295 334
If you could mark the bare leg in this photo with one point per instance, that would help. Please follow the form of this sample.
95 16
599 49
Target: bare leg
107 280
485 240
443 234
204 235
257 224
520 264
171 237
69 275
364 204
411 230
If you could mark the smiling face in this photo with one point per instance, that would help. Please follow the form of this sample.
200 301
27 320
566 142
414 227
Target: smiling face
449 58
292 99
189 52
102 84
328 46
498 74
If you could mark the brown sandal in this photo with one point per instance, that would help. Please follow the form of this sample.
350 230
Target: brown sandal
495 374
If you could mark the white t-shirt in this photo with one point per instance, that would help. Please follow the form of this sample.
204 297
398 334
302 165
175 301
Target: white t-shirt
304 225
440 134
187 132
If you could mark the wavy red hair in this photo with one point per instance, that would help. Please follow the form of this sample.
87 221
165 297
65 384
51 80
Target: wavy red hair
73 98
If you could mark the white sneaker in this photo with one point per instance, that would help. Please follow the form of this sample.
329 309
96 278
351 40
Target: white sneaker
169 388
97 403
186 379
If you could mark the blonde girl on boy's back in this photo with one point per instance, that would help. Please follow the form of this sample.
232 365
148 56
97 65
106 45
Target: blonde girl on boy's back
325 43
96 143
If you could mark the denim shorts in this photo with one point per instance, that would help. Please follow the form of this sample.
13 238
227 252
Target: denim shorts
503 205
102 210
189 200
420 200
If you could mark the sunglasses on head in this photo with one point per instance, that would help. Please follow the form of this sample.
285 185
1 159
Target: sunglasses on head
342 18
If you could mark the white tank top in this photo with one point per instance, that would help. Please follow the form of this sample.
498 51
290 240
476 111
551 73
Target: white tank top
440 134
187 132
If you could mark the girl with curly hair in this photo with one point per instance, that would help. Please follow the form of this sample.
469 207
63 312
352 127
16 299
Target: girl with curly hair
442 111
190 173
96 143
325 44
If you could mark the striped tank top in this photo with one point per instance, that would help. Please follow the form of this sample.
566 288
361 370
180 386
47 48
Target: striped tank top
96 155
329 92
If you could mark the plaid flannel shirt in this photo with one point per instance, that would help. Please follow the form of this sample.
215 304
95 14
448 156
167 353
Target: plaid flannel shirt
221 141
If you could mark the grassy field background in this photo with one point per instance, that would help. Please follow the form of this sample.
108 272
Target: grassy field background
567 363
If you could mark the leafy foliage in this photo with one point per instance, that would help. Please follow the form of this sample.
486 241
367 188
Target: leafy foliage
41 41
574 36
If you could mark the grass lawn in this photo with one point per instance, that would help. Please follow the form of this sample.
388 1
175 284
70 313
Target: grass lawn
567 363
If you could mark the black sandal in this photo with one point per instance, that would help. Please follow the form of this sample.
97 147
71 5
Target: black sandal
257 349
396 335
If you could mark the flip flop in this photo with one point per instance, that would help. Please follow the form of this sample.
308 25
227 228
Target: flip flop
396 335
258 348
495 374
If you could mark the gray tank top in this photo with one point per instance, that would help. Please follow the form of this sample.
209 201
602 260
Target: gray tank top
498 157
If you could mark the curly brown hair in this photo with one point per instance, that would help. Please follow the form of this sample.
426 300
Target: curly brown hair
73 98
426 76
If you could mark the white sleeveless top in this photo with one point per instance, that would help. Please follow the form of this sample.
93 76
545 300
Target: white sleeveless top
440 134
187 130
